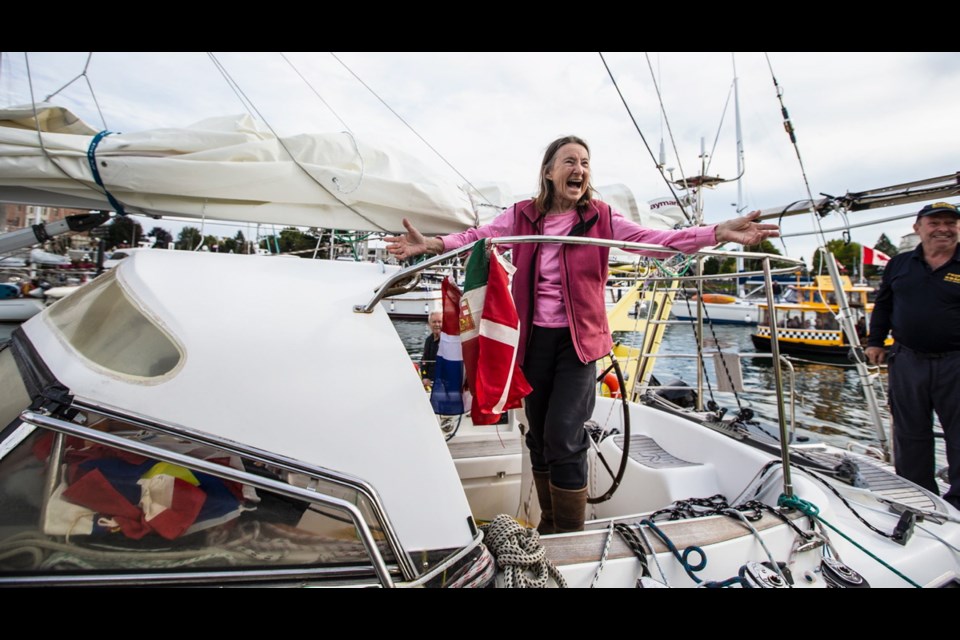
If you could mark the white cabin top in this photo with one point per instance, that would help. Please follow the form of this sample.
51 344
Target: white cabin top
268 353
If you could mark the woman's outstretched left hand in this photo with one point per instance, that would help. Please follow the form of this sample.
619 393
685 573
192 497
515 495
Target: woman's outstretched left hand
745 231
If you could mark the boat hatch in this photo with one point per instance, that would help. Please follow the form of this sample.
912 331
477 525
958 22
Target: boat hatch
101 323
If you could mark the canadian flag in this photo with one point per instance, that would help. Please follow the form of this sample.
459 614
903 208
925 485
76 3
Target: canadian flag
872 256
490 335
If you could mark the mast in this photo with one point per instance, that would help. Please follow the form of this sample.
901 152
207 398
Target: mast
848 327
736 113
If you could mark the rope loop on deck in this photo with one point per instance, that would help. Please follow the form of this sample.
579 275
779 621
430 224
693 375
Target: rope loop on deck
682 558
520 555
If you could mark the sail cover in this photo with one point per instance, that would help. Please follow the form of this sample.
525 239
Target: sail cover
227 168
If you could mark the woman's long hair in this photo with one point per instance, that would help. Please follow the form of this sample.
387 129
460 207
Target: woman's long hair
545 196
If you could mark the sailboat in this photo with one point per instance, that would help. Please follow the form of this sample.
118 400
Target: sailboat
150 441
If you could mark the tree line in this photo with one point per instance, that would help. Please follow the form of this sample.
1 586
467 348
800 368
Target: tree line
126 232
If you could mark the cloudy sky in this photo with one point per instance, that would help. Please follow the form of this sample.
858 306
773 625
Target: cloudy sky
863 120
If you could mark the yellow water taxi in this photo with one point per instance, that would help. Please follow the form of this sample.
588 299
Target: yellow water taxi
807 320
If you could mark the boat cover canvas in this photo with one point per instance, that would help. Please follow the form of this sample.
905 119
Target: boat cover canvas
226 168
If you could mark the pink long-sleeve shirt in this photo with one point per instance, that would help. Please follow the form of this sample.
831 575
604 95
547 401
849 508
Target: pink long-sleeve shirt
549 310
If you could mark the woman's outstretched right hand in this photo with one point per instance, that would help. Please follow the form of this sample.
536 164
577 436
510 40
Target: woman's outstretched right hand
412 243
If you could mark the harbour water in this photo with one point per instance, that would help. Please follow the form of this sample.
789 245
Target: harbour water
830 405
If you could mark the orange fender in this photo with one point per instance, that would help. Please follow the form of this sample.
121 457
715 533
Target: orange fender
610 387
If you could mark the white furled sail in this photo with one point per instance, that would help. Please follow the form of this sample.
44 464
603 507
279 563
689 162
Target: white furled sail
227 168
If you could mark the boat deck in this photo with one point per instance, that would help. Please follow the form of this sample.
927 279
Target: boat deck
588 547
879 478
646 451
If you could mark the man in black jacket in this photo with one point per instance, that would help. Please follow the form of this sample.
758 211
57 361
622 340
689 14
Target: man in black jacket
919 300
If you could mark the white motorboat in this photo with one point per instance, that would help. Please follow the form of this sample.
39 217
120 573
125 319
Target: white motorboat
16 307
718 308
416 304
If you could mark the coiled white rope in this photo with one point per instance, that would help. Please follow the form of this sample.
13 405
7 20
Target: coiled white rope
519 554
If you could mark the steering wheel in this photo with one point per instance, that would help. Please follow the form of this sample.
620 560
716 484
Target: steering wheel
616 477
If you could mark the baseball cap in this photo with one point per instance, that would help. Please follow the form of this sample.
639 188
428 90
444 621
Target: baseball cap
938 207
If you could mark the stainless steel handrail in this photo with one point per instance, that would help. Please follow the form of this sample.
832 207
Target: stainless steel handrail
404 288
383 290
225 472
364 488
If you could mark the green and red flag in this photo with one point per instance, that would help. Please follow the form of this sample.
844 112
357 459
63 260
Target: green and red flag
490 336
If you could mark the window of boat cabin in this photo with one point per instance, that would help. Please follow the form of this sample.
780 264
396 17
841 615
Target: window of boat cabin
102 324
827 321
108 511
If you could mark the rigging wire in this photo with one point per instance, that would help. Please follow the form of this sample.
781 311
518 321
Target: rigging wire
663 111
741 164
616 86
248 107
716 139
83 74
283 144
36 118
316 93
788 127
409 126
349 131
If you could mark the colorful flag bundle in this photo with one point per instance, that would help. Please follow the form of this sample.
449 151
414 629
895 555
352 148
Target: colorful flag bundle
478 341
108 491
490 335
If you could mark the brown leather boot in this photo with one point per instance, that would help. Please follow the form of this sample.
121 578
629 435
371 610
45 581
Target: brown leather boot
541 479
569 508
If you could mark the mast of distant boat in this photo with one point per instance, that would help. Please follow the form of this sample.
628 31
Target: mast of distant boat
741 289
847 326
